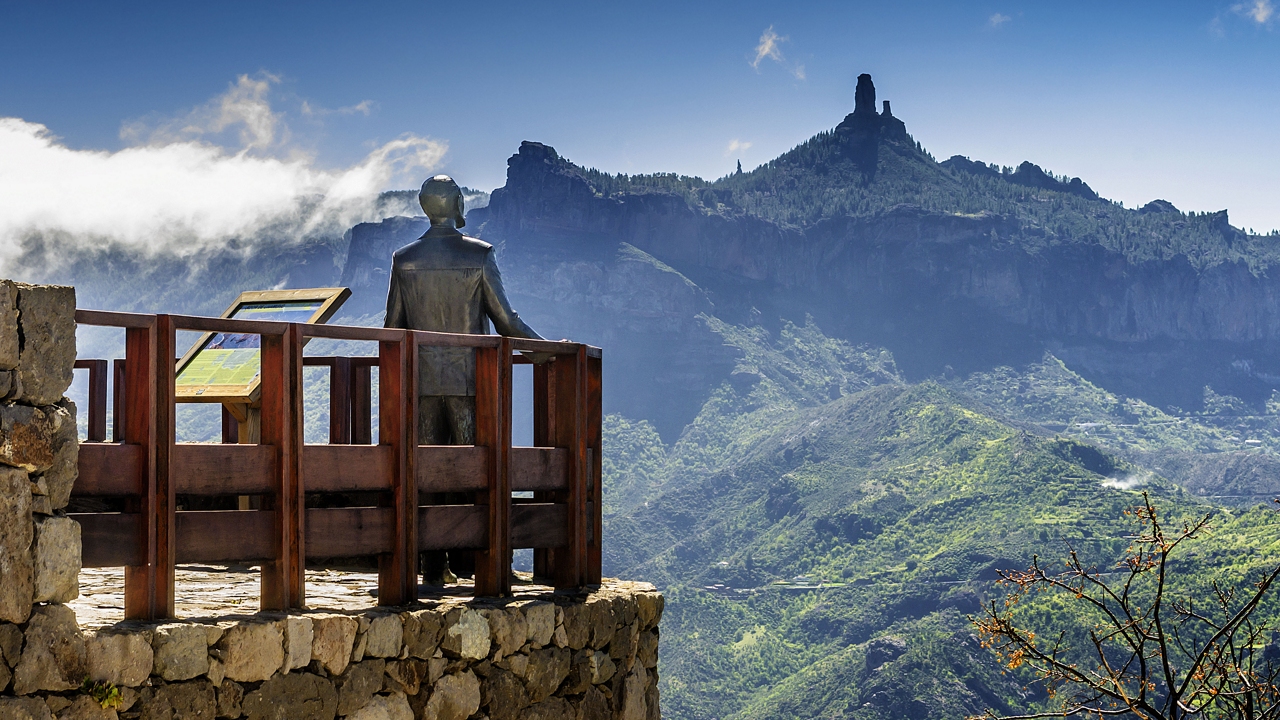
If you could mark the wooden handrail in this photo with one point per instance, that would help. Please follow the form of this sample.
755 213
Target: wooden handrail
147 467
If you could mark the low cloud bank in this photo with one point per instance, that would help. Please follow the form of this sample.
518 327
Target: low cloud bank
179 191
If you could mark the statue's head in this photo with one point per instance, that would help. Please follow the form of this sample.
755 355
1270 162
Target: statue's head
441 200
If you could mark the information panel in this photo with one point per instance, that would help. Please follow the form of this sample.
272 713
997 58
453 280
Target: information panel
225 366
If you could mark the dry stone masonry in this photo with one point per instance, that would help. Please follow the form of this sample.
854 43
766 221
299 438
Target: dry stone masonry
539 655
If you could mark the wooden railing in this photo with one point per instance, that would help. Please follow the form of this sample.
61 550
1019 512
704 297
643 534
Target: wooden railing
146 467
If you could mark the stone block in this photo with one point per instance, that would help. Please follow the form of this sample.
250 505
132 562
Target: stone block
181 651
594 705
299 634
503 695
602 619
12 708
625 641
296 696
540 623
9 346
651 699
384 636
422 631
31 436
548 668
9 387
61 475
86 708
466 634
122 659
407 675
455 696
5 676
16 534
550 709
633 705
576 625
649 606
46 314
251 651
230 696
56 559
57 703
194 700
508 631
358 684
647 648
53 652
10 644
333 638
385 707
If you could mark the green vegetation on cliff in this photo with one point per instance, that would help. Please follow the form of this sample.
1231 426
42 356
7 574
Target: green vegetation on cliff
823 529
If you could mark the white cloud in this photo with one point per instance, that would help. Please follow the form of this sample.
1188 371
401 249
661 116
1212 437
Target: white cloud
179 191
768 47
364 107
998 19
736 146
1259 11
244 106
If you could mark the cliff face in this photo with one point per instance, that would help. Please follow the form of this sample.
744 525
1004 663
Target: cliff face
1151 303
939 289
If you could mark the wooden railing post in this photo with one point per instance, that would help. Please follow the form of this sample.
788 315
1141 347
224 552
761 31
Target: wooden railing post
97 402
362 405
543 436
284 578
136 406
398 428
566 566
493 431
118 401
595 452
340 401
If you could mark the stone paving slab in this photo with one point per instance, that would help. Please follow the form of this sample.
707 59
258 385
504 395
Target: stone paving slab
214 591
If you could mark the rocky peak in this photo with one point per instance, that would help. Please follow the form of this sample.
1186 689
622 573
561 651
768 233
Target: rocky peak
864 122
864 96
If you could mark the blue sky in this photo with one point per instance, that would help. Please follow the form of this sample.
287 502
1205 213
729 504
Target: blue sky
1142 100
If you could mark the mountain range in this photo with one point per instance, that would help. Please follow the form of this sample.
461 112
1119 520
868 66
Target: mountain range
847 387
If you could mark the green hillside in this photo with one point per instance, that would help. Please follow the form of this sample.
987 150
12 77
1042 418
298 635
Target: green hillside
823 529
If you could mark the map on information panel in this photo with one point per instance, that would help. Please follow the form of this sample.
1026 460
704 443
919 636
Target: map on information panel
227 365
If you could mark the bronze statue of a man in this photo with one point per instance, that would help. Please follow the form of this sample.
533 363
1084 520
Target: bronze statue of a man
448 282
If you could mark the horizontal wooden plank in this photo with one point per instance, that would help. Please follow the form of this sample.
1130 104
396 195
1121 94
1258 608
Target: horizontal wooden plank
437 339
227 325
461 527
109 539
107 318
110 469
218 469
346 468
210 536
350 532
352 332
544 346
452 468
539 525
539 468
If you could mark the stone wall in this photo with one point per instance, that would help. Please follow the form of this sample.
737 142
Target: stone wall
39 545
537 656
540 655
